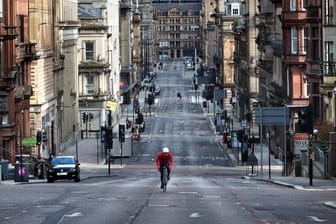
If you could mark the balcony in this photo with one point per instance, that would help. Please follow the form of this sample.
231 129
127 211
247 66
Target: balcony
59 63
125 4
329 68
26 50
9 34
277 47
267 65
23 92
313 13
96 67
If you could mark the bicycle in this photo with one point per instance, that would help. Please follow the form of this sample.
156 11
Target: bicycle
164 178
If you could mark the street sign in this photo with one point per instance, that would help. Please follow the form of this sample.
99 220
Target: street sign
29 142
110 105
202 80
301 141
219 94
271 115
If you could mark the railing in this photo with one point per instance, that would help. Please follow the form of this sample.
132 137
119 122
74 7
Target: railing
319 161
329 68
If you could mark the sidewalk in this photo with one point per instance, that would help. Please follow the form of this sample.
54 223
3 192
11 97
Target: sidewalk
273 173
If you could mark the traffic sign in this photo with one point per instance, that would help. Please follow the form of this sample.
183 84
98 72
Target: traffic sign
219 94
271 116
301 141
29 142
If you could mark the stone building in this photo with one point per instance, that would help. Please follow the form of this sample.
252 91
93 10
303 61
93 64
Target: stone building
98 67
54 105
177 28
17 53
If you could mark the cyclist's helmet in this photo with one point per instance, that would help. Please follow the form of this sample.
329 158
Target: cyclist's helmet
165 150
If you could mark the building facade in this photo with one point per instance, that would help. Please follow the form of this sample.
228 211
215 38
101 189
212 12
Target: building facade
17 53
329 67
246 57
177 28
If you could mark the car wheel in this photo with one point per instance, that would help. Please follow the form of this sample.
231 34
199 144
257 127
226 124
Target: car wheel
50 180
77 178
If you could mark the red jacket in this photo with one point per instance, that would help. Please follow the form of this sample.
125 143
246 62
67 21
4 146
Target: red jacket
164 157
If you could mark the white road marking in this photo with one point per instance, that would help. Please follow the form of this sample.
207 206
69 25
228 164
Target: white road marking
195 215
189 192
316 219
76 214
158 205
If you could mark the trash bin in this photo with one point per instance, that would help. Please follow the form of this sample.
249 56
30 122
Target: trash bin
21 172
225 137
4 169
39 169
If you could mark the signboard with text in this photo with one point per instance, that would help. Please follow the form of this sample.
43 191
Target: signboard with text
301 141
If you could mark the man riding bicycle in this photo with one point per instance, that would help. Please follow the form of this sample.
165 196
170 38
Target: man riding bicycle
164 158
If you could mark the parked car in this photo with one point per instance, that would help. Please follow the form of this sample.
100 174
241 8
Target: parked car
157 91
190 66
62 168
146 82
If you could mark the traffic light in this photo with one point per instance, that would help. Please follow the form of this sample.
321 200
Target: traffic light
90 117
38 138
305 120
108 138
121 133
84 117
150 99
139 120
44 136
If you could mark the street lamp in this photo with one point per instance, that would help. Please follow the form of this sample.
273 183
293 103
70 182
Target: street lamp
310 155
334 92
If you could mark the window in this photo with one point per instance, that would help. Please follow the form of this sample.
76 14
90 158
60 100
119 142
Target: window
3 104
3 110
293 6
329 12
329 58
235 9
5 150
1 59
305 40
89 50
294 40
90 87
0 11
315 43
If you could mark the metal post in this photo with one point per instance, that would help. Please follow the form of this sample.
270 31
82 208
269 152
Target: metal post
121 154
285 145
77 151
269 154
310 166
109 163
97 137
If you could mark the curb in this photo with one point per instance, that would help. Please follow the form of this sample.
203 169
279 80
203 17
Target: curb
330 204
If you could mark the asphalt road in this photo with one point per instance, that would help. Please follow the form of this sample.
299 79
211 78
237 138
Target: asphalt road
204 185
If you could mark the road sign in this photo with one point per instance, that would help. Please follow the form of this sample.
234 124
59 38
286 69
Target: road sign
202 80
301 141
110 105
219 94
271 116
29 142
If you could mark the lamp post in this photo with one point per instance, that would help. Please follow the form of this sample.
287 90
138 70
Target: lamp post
311 155
334 93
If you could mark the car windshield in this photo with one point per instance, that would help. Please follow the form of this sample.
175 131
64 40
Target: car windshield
57 161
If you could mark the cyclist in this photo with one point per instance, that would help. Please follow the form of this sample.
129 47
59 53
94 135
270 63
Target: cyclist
164 158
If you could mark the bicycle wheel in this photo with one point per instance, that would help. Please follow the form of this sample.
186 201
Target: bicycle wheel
164 179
